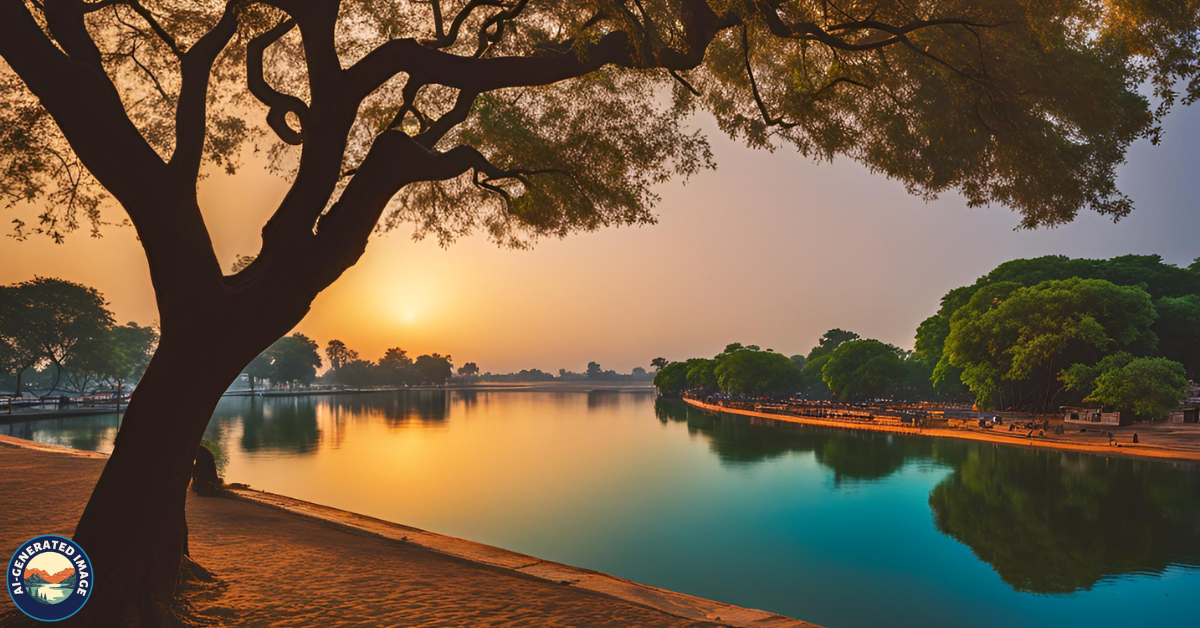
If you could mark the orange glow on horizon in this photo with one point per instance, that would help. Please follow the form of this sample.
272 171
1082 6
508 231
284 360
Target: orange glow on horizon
770 249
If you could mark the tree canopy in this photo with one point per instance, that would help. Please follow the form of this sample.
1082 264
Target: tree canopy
1178 330
128 349
748 372
1011 341
469 369
1144 388
46 321
1159 279
339 354
1017 332
291 360
477 100
862 370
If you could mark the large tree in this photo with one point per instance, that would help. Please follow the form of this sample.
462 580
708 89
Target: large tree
1012 342
57 323
434 369
749 372
1176 292
294 360
339 354
1141 388
862 370
17 353
524 119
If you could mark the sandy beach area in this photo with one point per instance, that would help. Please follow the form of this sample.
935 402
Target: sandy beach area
1159 441
333 568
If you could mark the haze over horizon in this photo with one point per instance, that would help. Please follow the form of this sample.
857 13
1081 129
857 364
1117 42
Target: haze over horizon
684 287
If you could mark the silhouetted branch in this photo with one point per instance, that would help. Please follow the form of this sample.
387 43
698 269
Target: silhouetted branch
758 100
195 71
65 21
456 116
278 103
88 109
429 65
451 37
142 12
497 22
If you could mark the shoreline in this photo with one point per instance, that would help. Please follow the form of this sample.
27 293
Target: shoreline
500 563
576 387
559 387
1126 450
67 413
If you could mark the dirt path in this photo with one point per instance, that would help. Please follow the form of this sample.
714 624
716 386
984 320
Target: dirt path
281 568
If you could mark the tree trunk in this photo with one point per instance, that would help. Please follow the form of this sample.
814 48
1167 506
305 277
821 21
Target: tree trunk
134 528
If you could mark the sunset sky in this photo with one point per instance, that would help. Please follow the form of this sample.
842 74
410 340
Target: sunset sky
770 249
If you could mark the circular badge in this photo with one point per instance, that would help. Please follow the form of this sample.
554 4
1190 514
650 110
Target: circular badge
49 577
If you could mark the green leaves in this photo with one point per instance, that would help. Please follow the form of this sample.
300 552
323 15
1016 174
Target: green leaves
1009 335
579 156
980 98
290 360
1147 388
747 372
862 370
1008 375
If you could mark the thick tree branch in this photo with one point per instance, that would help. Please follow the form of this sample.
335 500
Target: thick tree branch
394 161
443 125
279 105
65 20
496 23
88 110
479 75
326 125
151 21
447 39
191 112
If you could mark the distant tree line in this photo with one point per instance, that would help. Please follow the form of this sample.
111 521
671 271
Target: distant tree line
594 372
60 337
1031 335
294 360
841 366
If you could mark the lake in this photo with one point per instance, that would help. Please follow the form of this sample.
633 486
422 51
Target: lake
52 593
844 529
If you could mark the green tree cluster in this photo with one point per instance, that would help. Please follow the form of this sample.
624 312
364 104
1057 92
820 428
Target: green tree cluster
1011 338
64 332
394 368
738 370
861 370
1145 388
289 362
841 365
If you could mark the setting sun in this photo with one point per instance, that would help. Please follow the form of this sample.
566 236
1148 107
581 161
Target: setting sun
923 352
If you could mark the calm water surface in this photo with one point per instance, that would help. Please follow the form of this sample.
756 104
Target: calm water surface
845 529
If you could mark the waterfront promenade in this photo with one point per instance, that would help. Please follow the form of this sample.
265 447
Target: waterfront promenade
1158 441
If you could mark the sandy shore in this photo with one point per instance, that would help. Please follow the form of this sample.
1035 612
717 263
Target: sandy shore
1165 442
331 556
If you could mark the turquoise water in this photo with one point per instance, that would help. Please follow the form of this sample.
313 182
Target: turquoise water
844 529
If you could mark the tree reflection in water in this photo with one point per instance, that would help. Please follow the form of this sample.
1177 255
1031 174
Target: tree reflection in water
1047 522
294 424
